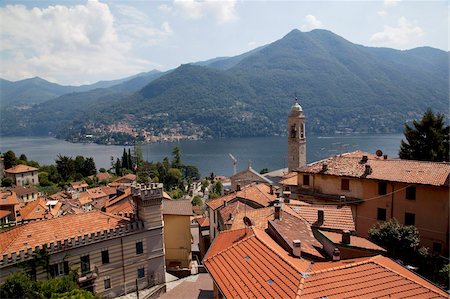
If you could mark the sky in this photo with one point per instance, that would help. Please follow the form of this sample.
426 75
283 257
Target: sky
82 42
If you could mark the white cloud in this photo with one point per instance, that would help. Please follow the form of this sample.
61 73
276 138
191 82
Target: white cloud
402 35
382 13
311 23
66 44
165 8
222 11
390 3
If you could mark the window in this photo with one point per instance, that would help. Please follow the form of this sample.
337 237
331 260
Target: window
105 256
85 264
141 272
345 184
411 192
437 247
382 188
107 283
59 269
306 180
139 247
410 219
381 214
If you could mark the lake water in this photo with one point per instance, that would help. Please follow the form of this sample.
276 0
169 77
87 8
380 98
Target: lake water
209 155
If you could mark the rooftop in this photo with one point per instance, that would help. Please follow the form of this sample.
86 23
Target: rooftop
355 241
81 184
20 169
228 212
20 190
257 193
177 207
37 233
335 217
35 209
394 170
8 198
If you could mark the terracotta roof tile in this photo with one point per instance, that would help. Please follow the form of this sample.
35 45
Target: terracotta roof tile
290 228
228 212
374 277
394 170
114 200
248 263
126 178
203 221
108 190
259 218
8 198
20 169
35 209
81 184
257 193
177 207
95 193
354 241
42 232
335 217
4 213
123 207
101 176
289 179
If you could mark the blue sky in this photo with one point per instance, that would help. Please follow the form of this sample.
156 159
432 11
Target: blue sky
80 42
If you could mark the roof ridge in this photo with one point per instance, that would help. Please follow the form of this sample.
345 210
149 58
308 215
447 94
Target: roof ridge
350 265
234 244
279 255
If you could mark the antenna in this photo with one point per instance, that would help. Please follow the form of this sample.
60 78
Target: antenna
234 162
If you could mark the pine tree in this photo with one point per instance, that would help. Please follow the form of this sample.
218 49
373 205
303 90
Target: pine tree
428 140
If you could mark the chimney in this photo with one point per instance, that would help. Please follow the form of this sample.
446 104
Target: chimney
271 189
320 216
367 170
296 248
277 207
364 159
238 187
324 167
336 255
286 194
385 157
346 237
225 203
342 198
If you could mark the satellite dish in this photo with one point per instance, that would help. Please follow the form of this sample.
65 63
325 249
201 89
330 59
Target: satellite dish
247 221
379 153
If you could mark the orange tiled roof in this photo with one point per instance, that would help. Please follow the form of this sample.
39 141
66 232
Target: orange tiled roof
35 209
257 193
248 263
203 221
114 200
4 213
101 176
289 179
81 184
290 228
121 208
354 241
95 193
20 169
8 198
373 277
259 218
43 232
335 217
394 170
126 178
228 212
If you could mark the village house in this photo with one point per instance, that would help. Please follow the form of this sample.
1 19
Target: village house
26 194
23 175
9 207
78 186
109 252
255 195
177 236
379 189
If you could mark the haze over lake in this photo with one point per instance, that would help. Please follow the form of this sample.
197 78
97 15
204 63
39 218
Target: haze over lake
208 155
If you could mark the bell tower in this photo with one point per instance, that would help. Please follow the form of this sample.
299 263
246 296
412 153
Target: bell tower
296 137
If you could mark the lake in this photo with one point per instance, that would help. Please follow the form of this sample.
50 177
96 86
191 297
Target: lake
208 155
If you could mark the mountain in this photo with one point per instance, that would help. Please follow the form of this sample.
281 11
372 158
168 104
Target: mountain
37 90
342 87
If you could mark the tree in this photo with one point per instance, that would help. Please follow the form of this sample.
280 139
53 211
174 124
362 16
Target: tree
65 166
400 240
264 170
118 168
428 140
217 187
197 201
23 158
18 285
9 159
176 154
89 167
7 182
